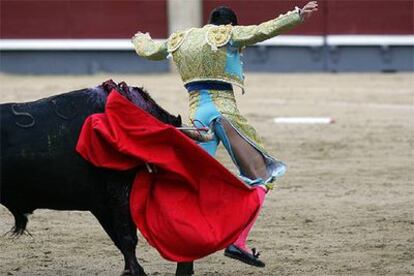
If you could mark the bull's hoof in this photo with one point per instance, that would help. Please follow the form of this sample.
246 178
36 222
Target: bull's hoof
185 269
128 272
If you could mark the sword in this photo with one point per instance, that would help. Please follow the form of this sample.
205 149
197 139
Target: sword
194 128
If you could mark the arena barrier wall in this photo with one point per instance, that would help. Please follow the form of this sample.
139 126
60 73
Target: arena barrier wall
80 37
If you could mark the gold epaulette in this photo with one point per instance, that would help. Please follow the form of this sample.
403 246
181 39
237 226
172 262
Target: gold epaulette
175 40
218 36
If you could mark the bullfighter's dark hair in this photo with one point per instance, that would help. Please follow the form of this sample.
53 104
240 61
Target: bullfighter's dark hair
223 16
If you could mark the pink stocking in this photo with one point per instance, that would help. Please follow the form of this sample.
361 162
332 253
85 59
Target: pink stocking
241 241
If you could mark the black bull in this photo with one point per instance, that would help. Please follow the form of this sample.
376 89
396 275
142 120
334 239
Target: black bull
40 168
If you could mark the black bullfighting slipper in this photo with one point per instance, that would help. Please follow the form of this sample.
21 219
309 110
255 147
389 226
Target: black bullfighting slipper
236 253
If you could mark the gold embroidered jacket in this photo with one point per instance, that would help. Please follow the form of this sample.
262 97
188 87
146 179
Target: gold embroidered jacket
212 52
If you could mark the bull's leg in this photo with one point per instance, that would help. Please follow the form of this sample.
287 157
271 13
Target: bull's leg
185 269
127 238
124 237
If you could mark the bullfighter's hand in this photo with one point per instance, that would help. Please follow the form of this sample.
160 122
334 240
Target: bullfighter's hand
308 9
138 38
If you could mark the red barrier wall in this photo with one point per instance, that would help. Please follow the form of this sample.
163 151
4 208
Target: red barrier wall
82 19
122 18
370 17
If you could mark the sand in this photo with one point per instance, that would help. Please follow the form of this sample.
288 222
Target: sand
345 207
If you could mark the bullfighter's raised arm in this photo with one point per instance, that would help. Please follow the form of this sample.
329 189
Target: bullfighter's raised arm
252 34
249 35
146 47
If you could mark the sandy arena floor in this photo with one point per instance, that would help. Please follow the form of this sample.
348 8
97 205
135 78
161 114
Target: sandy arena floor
345 207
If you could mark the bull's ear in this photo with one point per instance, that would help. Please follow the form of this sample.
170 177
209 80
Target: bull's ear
180 122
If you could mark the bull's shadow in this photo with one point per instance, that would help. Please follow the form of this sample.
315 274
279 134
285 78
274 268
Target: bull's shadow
41 169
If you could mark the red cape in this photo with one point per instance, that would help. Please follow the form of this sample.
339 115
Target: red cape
191 206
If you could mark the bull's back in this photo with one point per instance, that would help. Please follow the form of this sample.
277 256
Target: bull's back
39 164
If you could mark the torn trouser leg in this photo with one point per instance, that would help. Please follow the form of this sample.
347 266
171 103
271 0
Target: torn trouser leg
251 162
